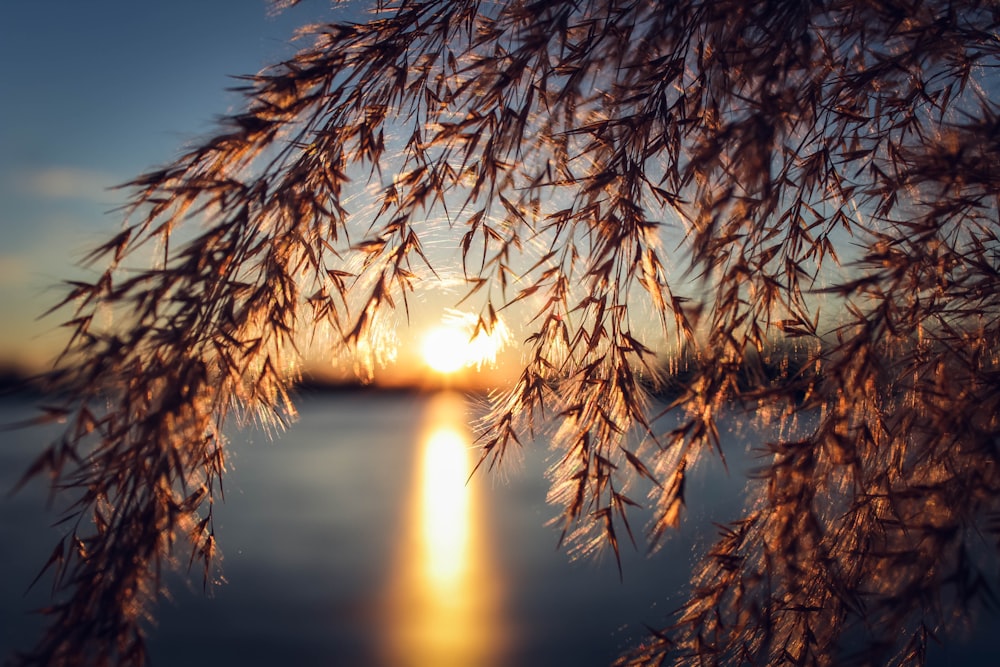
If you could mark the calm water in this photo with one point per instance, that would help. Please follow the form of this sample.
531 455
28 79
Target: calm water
352 539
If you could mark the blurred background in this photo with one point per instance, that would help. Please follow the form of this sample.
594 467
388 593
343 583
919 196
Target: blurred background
355 539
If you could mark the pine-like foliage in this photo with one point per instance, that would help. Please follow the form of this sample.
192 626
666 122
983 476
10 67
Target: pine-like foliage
835 154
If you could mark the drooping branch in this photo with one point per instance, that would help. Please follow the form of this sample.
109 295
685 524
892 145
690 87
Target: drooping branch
803 155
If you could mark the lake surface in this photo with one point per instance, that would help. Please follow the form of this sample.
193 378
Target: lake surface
353 539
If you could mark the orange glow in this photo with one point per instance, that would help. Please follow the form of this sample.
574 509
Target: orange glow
444 603
445 349
456 343
446 504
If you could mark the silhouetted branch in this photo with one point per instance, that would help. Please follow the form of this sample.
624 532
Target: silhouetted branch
811 155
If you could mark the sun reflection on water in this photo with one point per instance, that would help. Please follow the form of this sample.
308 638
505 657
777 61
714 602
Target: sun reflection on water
445 506
444 603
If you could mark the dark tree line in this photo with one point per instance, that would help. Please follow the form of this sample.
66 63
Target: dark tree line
832 170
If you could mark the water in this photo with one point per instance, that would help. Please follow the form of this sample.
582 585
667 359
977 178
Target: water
347 541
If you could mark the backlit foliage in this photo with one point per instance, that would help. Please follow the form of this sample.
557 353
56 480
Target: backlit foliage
803 196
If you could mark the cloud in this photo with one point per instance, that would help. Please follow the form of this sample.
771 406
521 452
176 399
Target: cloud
68 183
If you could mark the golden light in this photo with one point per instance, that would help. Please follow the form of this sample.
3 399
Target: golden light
445 506
445 349
457 343
443 606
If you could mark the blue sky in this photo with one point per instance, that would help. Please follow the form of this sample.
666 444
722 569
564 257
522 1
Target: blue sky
93 94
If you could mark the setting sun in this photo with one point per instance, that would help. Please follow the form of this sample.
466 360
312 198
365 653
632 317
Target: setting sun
453 345
445 349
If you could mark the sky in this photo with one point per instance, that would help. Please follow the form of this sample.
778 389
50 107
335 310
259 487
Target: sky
95 93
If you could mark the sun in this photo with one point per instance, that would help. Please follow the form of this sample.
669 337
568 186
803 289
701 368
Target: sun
445 349
455 343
